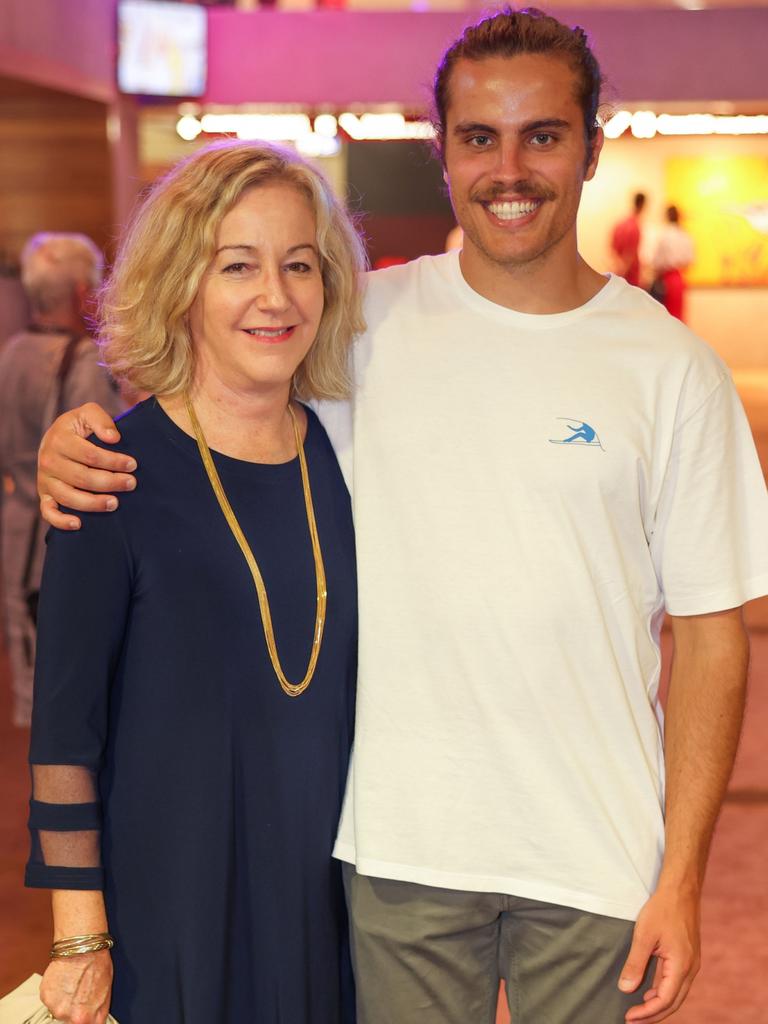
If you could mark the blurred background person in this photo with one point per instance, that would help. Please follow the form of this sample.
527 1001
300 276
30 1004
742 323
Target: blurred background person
625 242
673 253
455 239
43 369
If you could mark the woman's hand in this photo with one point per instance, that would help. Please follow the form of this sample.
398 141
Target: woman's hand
77 990
71 468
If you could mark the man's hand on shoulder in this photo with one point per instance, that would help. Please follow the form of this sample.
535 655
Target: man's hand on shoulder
75 472
668 929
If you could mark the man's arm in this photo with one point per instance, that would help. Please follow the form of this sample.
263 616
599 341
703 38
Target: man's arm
70 468
704 713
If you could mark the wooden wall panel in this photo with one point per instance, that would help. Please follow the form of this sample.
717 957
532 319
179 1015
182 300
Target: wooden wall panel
54 166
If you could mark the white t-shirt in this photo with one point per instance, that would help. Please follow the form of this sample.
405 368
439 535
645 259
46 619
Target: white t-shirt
530 494
674 249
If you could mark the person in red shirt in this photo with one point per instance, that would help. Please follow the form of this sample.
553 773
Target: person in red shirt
625 242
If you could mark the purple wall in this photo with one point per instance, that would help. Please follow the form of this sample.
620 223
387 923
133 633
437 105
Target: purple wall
341 58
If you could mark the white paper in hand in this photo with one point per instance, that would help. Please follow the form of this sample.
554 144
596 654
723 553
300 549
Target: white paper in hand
23 1006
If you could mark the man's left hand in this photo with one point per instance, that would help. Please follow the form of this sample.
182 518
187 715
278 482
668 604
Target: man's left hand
668 929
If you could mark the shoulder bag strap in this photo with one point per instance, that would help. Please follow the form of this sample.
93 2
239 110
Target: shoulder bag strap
52 410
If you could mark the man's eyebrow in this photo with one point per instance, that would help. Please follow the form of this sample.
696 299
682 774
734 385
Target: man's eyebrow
464 127
467 127
252 248
546 123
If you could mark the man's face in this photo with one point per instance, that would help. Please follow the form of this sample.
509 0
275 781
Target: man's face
516 159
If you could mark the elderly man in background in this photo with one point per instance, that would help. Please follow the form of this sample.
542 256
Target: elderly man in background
49 366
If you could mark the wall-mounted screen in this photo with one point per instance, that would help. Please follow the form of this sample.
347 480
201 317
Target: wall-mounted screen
162 48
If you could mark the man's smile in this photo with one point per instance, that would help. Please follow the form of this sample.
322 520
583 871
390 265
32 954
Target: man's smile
513 209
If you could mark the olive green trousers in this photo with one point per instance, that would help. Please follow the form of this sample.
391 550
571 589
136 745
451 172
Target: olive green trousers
424 955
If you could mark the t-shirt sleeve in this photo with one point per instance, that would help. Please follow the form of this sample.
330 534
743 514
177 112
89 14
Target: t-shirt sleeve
85 601
336 418
710 537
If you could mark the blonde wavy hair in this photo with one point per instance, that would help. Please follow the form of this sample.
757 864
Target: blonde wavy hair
144 335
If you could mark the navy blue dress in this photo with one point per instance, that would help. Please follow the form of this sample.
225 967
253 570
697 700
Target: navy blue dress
215 797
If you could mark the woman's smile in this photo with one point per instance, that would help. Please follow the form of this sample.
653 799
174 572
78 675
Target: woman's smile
271 335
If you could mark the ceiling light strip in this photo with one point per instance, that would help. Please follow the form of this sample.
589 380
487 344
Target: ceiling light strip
646 124
295 127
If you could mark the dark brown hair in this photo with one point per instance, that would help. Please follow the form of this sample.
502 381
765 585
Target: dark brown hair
510 33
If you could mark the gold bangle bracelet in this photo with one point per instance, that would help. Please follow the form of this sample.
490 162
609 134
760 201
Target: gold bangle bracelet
78 944
78 940
79 950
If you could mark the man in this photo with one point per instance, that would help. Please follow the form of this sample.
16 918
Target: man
625 242
542 461
46 368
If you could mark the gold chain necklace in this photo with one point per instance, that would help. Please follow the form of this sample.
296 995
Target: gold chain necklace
292 689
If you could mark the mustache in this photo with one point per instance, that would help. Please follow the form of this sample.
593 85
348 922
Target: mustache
523 189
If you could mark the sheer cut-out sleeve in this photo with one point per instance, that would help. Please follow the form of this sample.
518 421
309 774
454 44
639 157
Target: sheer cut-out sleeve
85 601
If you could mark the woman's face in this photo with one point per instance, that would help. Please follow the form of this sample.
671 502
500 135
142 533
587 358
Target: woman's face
258 308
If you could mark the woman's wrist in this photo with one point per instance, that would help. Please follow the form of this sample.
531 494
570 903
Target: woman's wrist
78 912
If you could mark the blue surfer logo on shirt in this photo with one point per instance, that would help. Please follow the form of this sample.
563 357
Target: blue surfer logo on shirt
577 432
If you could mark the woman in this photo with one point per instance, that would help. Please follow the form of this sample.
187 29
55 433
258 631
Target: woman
672 255
191 730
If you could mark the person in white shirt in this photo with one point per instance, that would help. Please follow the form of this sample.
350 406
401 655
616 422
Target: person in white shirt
542 463
672 255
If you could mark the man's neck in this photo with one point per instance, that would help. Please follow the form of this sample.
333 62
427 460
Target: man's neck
555 283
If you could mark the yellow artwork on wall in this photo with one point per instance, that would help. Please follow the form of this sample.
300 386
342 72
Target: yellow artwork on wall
724 206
